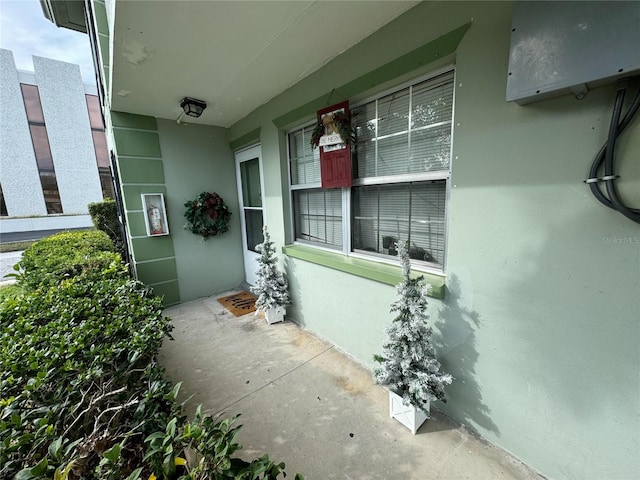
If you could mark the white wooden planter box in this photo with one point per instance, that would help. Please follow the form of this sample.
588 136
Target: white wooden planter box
408 415
274 315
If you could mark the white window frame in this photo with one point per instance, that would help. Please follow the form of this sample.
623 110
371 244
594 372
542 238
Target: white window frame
347 207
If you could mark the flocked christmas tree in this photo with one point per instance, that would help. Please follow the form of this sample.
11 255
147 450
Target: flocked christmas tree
271 286
408 365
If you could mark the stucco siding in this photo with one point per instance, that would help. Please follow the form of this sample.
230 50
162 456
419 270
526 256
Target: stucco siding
63 101
539 325
197 159
19 175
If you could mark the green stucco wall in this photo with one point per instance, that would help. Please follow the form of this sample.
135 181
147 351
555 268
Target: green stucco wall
196 159
140 167
179 161
539 325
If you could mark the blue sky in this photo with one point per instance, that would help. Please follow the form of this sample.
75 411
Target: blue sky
25 31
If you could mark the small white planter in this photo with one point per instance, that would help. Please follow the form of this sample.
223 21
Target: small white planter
274 315
408 415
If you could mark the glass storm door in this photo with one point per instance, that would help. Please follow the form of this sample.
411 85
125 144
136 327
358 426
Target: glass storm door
248 172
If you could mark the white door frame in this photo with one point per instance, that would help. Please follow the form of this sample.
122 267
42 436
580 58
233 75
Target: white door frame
250 257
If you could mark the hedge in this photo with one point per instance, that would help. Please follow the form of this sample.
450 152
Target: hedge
81 392
104 216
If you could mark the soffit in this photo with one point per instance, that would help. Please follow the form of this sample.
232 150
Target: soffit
234 55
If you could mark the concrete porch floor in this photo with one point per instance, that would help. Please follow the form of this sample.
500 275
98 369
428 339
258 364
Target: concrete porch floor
306 403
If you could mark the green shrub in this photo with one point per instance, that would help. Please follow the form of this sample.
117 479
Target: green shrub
105 218
82 376
81 393
9 291
64 255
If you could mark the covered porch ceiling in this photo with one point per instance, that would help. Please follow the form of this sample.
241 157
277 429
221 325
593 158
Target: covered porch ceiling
235 55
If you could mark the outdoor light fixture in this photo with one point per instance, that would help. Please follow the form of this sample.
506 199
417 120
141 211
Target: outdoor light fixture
192 106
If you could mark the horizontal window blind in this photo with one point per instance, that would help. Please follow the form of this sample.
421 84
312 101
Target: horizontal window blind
406 132
304 161
402 134
318 216
388 213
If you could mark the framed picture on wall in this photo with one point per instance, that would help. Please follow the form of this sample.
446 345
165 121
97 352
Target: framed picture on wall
155 214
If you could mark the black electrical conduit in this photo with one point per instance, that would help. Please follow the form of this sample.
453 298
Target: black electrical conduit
605 155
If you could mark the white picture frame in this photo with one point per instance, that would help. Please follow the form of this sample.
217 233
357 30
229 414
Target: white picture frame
155 214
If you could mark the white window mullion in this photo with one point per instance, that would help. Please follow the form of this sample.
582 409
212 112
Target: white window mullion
346 221
376 141
409 128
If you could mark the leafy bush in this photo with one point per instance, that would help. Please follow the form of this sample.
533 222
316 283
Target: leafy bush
7 291
81 393
105 218
82 378
64 255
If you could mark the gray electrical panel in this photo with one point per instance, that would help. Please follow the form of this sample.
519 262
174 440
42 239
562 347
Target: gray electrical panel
569 47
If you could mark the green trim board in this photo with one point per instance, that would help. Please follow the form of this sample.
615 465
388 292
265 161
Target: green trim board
377 271
252 137
430 52
100 12
136 224
157 271
136 143
104 49
141 170
131 194
107 77
130 120
151 248
169 291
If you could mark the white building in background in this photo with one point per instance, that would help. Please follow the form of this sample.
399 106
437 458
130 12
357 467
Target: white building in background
54 159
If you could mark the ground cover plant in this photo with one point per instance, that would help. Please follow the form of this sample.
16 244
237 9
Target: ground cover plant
81 392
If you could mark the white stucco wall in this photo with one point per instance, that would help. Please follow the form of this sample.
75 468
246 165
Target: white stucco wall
19 175
50 222
67 120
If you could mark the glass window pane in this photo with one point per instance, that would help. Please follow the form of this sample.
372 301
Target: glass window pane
393 155
32 104
95 113
100 146
365 124
318 216
413 212
250 177
50 191
387 144
430 149
3 205
304 160
432 102
41 147
393 113
106 182
253 222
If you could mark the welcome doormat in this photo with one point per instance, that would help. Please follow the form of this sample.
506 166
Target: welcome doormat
239 303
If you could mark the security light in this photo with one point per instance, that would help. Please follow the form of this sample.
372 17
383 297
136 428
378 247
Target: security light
192 106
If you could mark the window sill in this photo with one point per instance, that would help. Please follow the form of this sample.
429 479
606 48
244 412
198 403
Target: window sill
379 272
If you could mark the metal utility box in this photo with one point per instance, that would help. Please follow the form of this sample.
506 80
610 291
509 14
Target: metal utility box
568 47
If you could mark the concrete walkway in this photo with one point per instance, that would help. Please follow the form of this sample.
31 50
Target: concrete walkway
305 403
7 261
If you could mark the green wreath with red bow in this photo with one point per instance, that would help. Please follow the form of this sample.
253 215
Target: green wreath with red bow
207 215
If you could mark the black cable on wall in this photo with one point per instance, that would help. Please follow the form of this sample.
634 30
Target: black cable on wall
605 157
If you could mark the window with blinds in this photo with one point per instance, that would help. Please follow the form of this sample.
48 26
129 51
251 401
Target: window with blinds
317 213
318 216
304 160
398 212
406 132
402 167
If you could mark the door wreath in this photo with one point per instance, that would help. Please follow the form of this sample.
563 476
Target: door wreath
207 215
